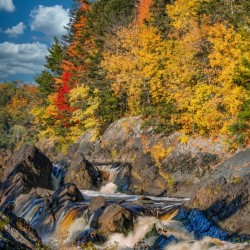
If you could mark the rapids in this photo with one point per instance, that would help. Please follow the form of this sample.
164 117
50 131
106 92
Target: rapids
154 227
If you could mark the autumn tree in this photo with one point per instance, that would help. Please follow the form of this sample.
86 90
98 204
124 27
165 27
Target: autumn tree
16 120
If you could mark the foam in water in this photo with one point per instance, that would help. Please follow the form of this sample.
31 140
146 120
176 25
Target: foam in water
109 188
176 228
142 226
69 227
204 244
118 174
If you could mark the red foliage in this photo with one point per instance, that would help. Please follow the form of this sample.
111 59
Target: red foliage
72 68
61 98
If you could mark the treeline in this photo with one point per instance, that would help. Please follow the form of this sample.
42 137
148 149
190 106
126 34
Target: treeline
16 121
182 65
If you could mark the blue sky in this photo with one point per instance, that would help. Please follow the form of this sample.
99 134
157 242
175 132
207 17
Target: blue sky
27 28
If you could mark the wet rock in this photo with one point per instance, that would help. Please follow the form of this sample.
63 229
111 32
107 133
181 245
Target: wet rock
94 218
152 233
36 208
64 196
96 203
43 209
89 236
115 219
30 169
16 233
83 173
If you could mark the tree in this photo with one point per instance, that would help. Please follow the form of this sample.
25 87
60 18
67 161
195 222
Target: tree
54 59
46 82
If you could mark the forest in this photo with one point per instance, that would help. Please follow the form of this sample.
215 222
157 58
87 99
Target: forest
181 65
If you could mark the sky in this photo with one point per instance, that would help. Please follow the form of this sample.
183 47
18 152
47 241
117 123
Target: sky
27 28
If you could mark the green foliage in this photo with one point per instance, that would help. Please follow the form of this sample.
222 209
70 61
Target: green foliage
160 18
45 81
3 221
55 57
107 15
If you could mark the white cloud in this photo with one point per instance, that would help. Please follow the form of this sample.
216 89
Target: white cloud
26 58
49 20
7 5
16 30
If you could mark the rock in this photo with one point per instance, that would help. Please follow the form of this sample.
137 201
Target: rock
16 233
43 209
30 169
96 203
115 219
197 222
30 160
87 236
4 158
159 164
64 196
224 195
36 207
94 219
83 173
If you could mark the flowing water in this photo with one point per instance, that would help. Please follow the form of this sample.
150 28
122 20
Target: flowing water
154 218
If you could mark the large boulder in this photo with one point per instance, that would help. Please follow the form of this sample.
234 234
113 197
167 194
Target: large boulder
64 197
28 168
224 195
83 173
96 203
115 219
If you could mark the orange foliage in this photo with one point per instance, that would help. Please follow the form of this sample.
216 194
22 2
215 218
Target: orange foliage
144 10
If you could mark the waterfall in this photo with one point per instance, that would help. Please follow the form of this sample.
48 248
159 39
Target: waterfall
58 173
118 174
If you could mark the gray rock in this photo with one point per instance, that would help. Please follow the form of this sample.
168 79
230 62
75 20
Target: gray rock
115 219
83 173
29 168
96 203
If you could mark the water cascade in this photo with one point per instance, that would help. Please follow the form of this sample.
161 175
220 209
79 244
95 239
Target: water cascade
72 217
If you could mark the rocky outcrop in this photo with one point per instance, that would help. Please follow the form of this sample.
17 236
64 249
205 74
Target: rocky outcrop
159 164
36 208
43 208
83 173
16 233
224 195
29 168
4 157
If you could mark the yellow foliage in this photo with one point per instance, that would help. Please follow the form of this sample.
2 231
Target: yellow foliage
134 60
83 118
184 138
159 152
201 69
